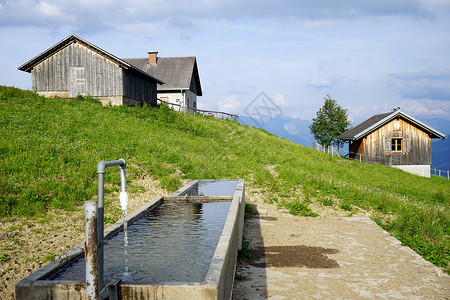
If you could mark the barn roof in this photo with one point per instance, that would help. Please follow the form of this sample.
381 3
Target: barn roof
376 121
28 66
177 72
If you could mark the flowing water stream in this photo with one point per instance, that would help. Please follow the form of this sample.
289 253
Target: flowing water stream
125 244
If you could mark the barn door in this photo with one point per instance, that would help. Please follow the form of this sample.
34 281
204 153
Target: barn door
77 82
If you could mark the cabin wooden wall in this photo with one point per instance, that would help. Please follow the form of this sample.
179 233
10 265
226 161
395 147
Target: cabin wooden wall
373 146
139 87
356 149
102 77
77 69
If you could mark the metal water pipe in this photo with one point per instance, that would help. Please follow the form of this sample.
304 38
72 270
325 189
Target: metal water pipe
91 255
101 169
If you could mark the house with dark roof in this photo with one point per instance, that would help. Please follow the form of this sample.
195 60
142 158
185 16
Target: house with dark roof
395 139
76 67
179 74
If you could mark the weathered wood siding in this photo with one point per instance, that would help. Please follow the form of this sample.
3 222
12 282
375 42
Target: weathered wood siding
77 69
356 149
103 77
139 87
373 146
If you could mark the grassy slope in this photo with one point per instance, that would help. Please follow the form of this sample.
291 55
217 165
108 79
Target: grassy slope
50 149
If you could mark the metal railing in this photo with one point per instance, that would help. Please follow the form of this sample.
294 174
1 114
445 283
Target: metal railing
209 113
441 173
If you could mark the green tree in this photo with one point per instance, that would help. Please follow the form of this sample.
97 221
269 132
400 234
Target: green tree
331 122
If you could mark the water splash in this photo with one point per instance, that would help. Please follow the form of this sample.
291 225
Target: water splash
125 243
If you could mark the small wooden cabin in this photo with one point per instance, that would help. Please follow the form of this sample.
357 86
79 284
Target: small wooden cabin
75 67
394 139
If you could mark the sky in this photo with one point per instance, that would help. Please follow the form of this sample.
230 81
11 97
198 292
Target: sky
371 55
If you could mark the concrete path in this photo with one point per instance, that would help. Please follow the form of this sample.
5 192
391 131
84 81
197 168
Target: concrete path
332 258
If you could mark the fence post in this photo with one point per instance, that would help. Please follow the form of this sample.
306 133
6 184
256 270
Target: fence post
337 153
448 174
359 157
439 173
434 171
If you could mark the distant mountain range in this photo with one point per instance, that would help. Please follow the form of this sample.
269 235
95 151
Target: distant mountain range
297 131
294 130
440 149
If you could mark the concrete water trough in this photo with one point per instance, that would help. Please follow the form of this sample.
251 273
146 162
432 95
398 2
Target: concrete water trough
215 283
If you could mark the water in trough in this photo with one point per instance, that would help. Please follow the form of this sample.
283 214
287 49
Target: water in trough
172 243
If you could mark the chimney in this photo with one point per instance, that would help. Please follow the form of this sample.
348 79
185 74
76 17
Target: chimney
152 56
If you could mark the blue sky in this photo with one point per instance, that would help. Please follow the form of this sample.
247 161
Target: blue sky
370 55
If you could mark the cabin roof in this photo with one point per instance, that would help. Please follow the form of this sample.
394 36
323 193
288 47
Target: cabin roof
28 66
176 72
376 121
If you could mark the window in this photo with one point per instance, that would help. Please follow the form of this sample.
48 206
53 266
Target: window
397 145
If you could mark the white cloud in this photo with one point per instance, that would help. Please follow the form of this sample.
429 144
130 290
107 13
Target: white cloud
445 3
48 9
99 15
142 28
230 104
360 113
296 115
280 100
426 108
319 24
322 81
430 84
429 108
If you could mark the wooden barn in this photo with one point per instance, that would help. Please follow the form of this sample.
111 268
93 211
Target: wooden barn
394 139
76 67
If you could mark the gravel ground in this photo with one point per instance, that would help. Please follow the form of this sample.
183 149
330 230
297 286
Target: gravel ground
330 257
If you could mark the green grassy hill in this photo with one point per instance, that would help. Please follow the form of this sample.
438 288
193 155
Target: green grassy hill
50 148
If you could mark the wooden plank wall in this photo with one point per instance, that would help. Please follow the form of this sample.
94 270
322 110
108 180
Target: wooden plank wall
103 77
420 145
139 87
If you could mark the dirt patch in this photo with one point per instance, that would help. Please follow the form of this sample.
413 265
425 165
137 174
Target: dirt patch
293 256
29 244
